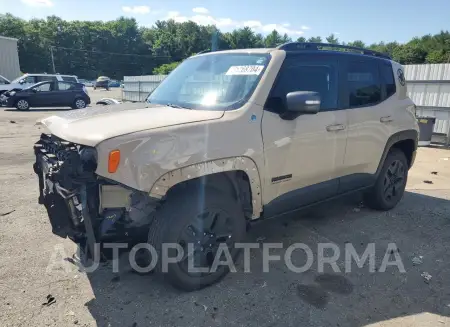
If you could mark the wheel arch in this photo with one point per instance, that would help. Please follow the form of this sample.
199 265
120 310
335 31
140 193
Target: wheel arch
22 98
236 170
405 141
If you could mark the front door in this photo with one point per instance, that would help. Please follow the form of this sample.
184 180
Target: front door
304 156
44 95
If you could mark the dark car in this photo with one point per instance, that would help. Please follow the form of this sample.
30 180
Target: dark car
102 82
47 94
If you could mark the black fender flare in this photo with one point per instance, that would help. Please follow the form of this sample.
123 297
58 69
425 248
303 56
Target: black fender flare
410 134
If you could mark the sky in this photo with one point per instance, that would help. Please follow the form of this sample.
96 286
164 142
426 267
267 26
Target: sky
349 20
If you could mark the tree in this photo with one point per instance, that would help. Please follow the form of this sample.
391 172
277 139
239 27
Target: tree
357 44
332 39
165 69
273 39
120 47
437 56
409 54
315 39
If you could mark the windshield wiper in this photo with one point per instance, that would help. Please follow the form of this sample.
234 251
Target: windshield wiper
176 106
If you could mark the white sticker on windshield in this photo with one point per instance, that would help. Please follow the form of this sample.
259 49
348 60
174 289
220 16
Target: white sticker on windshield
245 70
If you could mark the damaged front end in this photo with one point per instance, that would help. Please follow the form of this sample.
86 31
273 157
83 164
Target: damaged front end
82 205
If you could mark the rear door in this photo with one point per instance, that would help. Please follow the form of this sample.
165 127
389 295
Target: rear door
369 114
66 93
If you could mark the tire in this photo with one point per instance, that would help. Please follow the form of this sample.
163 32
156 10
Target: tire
391 182
79 103
22 104
177 221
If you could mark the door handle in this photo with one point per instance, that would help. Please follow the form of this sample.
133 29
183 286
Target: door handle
386 119
336 127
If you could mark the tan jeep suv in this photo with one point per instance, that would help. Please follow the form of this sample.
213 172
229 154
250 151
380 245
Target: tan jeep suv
229 137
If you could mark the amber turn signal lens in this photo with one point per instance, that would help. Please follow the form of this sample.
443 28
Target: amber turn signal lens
113 161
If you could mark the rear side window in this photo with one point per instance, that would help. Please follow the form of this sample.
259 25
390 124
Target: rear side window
387 77
62 86
45 78
69 79
305 74
364 84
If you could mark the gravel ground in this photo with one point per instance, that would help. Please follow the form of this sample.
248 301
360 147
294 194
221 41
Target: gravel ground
419 226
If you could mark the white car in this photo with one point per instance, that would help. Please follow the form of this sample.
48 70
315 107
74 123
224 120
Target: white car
4 83
27 80
86 82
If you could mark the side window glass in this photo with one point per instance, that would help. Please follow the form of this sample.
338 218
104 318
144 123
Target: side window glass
65 86
304 75
387 77
364 85
45 78
30 80
44 87
69 79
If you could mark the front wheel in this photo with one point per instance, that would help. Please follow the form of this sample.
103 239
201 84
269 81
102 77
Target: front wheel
199 221
22 104
391 183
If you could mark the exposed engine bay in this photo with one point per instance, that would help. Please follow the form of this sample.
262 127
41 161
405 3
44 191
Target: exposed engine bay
82 205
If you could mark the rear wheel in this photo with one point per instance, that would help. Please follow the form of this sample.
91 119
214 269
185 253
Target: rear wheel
203 221
79 104
390 185
22 104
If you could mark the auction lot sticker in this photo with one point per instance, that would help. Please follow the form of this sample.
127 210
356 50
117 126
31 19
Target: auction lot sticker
245 70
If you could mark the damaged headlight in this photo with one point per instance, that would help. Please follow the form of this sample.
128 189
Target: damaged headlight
88 158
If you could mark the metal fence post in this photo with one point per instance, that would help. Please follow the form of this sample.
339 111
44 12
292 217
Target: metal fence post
139 88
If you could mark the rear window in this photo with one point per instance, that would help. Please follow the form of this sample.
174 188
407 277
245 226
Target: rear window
387 77
364 85
69 79
63 86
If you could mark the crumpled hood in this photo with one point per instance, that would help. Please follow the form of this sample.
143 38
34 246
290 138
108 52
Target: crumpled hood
93 125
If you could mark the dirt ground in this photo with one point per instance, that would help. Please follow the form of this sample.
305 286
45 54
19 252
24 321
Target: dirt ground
419 225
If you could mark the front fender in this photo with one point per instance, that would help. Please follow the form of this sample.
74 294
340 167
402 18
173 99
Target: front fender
245 164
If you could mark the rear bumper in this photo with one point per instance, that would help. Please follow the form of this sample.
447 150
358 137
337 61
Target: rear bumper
102 84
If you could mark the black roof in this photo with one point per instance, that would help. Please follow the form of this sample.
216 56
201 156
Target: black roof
299 46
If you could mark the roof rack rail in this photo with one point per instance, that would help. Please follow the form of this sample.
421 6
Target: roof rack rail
299 46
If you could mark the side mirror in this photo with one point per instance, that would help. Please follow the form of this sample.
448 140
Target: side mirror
34 90
22 81
303 102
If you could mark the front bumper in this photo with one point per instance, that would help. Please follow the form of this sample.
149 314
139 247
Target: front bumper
82 206
6 101
69 194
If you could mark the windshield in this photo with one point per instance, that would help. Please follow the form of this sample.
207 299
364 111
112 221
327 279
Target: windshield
212 82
